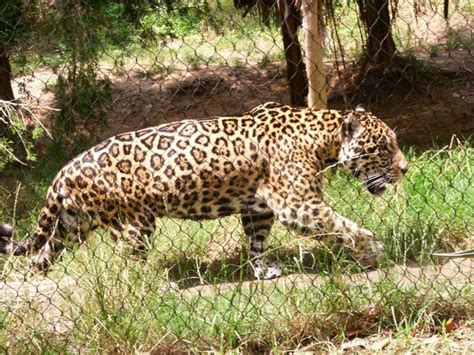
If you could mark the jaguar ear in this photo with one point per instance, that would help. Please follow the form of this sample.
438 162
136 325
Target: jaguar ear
351 128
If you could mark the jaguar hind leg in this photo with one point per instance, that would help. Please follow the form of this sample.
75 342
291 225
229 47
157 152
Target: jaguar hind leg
257 227
69 225
137 234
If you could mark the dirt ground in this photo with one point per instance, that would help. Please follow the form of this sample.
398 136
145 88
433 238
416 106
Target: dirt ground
422 112
456 273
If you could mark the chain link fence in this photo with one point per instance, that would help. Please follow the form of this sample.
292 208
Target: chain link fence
73 73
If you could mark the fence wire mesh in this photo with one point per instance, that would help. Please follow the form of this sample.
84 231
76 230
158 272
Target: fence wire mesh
73 73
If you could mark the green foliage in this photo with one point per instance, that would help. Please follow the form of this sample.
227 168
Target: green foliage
11 25
457 39
73 36
17 142
80 92
180 19
433 50
81 97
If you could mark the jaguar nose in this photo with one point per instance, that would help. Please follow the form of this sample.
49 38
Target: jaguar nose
404 169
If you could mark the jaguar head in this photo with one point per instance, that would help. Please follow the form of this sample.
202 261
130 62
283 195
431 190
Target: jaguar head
369 152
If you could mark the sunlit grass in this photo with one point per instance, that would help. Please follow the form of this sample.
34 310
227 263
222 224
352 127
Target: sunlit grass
108 299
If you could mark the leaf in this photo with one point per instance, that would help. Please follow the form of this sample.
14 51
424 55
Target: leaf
450 326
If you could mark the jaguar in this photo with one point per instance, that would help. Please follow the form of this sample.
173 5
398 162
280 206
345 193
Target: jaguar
264 165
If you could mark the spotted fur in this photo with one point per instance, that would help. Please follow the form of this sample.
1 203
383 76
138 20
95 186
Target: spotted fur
263 165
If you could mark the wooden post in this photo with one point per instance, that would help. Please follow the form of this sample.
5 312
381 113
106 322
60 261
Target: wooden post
317 95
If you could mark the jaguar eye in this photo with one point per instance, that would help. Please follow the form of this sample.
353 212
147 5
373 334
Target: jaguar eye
386 149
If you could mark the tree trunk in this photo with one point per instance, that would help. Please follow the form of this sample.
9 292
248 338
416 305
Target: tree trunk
6 91
289 19
317 85
375 15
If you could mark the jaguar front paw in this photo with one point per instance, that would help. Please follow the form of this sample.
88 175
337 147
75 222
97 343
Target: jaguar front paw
372 256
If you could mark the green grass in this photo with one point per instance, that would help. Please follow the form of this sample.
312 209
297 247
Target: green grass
119 303
430 210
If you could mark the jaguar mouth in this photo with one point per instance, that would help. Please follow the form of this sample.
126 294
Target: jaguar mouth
377 191
376 185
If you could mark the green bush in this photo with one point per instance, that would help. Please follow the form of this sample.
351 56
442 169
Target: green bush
17 142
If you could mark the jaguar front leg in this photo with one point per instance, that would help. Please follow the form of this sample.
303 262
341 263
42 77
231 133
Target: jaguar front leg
316 217
361 244
257 226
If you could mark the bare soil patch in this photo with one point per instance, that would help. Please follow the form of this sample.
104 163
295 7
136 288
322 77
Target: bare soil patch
454 273
431 107
428 109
